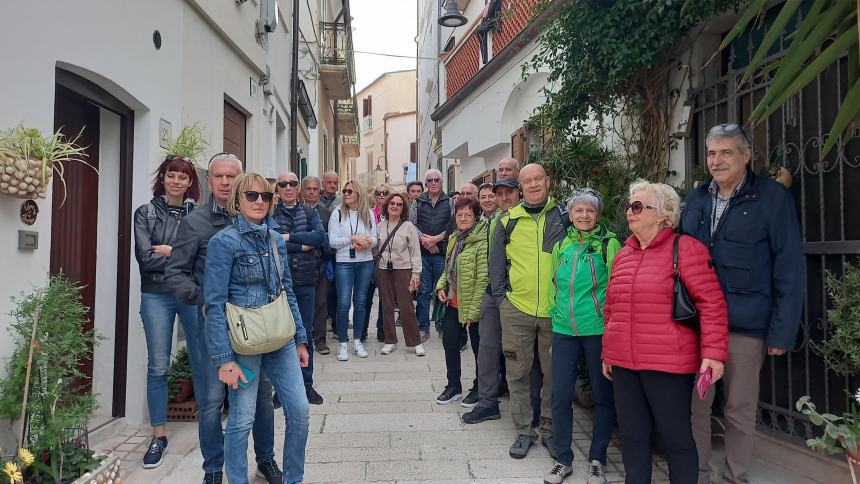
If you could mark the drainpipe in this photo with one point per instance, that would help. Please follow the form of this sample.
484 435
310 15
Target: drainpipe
294 92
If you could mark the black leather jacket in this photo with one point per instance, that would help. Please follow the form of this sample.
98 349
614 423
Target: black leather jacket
164 228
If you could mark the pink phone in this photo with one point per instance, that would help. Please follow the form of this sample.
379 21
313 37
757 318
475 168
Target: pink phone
703 383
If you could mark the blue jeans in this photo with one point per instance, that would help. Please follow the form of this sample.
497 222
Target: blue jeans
306 299
353 279
567 353
158 312
431 270
283 369
210 392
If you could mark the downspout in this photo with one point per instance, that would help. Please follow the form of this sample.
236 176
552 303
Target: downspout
294 92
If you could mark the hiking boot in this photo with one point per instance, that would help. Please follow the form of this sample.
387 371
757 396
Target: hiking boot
314 398
358 347
342 353
155 453
558 473
387 349
449 395
213 477
520 447
471 398
479 414
420 351
268 470
322 348
595 473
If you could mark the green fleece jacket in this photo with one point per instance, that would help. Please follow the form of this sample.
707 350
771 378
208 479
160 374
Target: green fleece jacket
471 267
579 280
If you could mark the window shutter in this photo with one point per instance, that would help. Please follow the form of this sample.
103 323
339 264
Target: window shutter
413 152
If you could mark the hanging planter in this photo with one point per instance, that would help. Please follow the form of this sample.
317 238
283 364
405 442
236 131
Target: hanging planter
28 160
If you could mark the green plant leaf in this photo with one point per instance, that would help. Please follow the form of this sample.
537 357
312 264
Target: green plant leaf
776 29
816 419
848 111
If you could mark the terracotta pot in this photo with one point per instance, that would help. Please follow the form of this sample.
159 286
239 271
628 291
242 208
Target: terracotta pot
23 179
782 175
853 463
186 391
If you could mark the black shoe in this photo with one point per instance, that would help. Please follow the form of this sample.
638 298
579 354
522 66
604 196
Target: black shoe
380 337
471 398
276 402
322 348
479 414
547 442
155 454
314 398
213 477
449 395
520 447
268 470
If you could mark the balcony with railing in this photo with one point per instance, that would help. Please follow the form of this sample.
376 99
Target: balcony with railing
366 124
350 145
337 70
347 118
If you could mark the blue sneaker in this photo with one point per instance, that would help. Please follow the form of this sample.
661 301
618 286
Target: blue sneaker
155 454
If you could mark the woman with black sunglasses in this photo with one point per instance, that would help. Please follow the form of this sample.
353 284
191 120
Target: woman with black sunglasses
381 194
244 269
175 190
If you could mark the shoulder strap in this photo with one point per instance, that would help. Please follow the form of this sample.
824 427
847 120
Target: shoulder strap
276 257
605 247
150 216
509 228
390 236
675 255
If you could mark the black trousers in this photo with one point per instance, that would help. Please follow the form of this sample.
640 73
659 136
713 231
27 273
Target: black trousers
452 332
645 400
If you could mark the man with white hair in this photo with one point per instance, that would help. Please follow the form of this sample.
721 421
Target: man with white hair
509 168
431 213
469 190
330 198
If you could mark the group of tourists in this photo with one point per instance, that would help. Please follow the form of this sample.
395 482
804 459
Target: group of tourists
701 291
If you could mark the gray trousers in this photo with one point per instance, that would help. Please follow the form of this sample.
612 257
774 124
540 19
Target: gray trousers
490 332
746 355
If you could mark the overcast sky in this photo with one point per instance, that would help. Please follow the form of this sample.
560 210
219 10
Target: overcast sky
386 27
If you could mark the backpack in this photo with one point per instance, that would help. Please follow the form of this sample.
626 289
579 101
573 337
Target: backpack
509 228
150 216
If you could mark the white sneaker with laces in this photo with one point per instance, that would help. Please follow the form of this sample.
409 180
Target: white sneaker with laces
420 351
387 349
595 473
358 347
342 353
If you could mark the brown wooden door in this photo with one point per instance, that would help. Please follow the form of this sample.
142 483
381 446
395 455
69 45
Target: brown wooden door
235 124
73 225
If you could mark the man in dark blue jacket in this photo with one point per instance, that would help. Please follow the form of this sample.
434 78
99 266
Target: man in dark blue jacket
750 224
305 237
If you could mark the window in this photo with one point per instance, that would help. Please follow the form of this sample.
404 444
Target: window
367 106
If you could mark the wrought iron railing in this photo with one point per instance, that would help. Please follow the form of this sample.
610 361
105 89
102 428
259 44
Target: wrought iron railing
345 107
336 46
349 140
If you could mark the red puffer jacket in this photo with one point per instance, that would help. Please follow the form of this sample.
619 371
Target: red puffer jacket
640 333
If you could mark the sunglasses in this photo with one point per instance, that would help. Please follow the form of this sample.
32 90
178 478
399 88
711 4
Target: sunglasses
395 204
730 127
347 191
253 196
284 184
434 180
637 207
383 193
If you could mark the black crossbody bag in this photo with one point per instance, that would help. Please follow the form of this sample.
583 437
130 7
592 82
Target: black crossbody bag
683 309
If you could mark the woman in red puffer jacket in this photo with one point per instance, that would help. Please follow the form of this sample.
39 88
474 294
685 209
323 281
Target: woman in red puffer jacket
651 358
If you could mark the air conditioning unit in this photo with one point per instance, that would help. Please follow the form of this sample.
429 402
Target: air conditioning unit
268 16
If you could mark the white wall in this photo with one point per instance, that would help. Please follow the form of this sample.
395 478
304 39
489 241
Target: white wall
400 134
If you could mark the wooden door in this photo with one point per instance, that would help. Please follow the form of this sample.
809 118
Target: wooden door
235 124
73 225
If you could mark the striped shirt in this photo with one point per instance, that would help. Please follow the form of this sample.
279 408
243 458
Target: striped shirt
720 203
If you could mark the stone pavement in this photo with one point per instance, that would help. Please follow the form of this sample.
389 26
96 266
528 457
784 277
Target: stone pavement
380 423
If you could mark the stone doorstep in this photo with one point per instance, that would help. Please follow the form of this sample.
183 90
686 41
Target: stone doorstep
798 459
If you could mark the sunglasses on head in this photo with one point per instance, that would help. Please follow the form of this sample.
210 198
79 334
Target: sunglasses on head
434 180
253 196
378 193
347 191
284 184
637 207
731 127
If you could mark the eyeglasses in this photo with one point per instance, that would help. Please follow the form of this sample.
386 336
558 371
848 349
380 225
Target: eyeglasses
433 180
637 207
383 193
395 204
253 196
347 191
284 184
731 127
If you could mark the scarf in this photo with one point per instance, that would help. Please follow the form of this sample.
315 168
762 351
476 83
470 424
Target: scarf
452 262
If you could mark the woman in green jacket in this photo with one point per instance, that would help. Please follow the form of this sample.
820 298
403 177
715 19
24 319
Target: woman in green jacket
581 265
461 288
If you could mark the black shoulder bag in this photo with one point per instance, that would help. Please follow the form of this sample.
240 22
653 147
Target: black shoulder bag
384 245
683 310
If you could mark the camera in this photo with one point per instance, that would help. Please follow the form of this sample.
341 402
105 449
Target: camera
390 267
352 252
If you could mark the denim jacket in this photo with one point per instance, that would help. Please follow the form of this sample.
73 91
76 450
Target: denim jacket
236 251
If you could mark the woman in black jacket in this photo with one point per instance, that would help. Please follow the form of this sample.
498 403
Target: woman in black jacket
175 191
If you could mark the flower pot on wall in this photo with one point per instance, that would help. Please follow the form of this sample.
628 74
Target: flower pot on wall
106 473
24 178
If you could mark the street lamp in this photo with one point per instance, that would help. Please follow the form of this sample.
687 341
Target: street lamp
452 16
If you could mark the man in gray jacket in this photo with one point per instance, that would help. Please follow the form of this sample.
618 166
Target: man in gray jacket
184 276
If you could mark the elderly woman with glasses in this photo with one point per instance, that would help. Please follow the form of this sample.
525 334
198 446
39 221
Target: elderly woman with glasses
380 197
652 358
242 268
581 263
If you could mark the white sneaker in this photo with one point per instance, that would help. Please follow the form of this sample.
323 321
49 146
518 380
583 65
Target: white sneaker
595 473
420 351
342 353
358 347
387 349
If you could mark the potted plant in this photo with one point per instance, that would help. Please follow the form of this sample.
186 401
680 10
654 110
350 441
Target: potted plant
179 383
190 143
42 386
841 352
28 159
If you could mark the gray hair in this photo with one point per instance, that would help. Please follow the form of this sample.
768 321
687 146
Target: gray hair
432 171
311 179
666 199
224 156
587 196
729 130
330 173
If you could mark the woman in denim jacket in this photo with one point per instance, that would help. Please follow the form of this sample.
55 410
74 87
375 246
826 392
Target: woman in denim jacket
239 269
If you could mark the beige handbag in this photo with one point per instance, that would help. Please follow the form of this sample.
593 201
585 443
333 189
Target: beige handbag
266 328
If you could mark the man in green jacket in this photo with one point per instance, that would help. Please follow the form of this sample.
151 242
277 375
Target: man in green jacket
520 269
